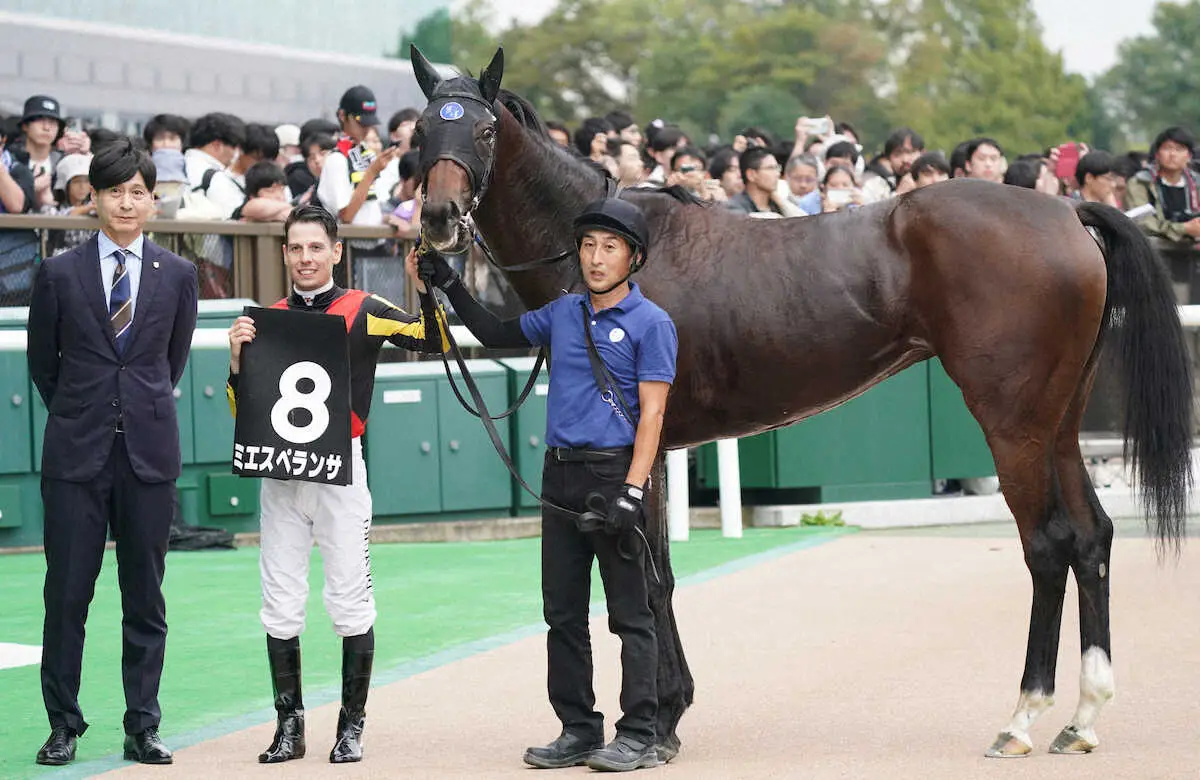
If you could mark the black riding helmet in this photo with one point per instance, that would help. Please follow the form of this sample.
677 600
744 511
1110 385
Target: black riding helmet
620 217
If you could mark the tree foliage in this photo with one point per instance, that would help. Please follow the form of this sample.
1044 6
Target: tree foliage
951 69
979 67
1153 83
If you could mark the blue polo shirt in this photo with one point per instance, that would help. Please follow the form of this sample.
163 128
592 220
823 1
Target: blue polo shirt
637 342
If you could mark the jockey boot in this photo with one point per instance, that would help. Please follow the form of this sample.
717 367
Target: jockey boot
357 654
284 657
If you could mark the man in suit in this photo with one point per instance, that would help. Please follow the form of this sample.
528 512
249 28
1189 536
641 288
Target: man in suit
110 327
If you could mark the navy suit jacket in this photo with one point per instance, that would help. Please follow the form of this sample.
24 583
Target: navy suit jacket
87 385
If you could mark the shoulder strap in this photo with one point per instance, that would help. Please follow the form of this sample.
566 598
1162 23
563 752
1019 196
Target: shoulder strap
610 391
205 181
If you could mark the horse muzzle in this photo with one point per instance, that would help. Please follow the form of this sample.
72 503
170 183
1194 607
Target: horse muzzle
445 226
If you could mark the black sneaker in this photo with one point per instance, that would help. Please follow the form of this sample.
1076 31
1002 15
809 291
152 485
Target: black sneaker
568 750
623 754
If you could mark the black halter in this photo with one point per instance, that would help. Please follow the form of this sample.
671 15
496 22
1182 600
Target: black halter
460 147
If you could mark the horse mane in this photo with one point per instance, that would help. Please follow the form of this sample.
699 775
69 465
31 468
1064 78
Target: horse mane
527 116
523 111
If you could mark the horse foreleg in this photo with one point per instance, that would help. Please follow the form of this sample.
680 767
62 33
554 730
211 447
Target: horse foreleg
675 684
1045 536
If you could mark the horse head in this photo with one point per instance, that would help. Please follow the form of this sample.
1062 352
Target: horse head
457 138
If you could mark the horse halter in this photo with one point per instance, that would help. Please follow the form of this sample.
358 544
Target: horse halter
456 133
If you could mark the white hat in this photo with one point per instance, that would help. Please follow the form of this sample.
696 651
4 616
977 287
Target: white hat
288 135
69 167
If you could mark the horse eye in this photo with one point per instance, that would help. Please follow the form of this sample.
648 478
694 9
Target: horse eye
488 133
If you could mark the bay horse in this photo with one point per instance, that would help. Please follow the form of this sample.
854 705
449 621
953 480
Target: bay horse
779 320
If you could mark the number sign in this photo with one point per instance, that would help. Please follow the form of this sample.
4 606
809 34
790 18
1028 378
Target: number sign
293 404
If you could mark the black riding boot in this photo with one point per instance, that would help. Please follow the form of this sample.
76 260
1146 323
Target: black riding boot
357 654
284 657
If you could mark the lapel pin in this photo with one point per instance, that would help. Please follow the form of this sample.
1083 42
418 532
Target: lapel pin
156 264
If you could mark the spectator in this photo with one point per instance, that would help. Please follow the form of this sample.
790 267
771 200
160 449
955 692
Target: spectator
591 139
886 171
266 194
803 176
756 136
171 183
73 192
261 145
760 174
406 217
687 171
16 181
1097 182
347 187
300 177
400 130
215 140
559 134
1024 172
627 129
725 167
847 130
316 149
662 146
839 190
985 160
842 153
19 249
373 142
41 126
958 160
929 168
166 131
631 170
1171 187
1125 168
289 145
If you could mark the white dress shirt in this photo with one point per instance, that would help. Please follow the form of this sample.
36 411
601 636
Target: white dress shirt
133 266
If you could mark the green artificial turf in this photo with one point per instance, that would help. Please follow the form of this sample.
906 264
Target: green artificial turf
430 597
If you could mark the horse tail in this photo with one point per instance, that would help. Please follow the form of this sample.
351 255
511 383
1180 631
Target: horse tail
1141 316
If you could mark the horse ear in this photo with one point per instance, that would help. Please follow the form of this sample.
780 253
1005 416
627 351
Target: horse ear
489 80
427 75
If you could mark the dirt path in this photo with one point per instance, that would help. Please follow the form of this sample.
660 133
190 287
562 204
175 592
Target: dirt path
874 656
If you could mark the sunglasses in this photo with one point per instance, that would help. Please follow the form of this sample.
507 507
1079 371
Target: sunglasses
688 168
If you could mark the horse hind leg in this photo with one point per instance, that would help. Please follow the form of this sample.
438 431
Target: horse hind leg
1030 490
1090 561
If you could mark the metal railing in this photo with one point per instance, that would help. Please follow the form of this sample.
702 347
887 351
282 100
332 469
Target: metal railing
251 259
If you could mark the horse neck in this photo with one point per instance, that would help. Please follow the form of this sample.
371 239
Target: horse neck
526 214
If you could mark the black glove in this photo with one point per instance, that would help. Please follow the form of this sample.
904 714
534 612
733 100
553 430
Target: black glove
625 510
434 270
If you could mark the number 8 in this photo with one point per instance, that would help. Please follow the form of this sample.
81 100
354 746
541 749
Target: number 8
291 398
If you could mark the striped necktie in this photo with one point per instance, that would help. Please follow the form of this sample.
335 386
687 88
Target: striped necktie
120 305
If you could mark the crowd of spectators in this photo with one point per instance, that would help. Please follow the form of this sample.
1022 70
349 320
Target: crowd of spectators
218 167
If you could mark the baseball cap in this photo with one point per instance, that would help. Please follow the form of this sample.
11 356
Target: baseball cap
288 135
40 106
359 102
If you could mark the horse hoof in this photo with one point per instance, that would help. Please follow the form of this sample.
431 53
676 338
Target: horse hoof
1009 745
1074 743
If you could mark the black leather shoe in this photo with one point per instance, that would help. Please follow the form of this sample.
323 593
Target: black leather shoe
59 748
147 748
568 750
623 754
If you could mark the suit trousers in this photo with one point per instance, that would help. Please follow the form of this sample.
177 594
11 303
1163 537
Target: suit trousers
567 555
78 517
